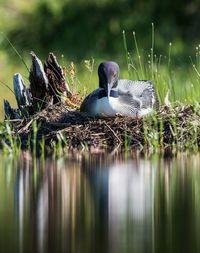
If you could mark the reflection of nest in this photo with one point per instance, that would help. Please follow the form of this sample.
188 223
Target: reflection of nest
178 126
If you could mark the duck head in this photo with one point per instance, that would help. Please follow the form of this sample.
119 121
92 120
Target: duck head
108 76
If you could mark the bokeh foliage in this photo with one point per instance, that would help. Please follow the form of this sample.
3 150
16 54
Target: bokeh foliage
80 29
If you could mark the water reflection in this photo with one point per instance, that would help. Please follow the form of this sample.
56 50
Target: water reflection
100 203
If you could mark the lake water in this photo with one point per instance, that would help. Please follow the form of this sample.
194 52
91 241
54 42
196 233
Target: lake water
100 203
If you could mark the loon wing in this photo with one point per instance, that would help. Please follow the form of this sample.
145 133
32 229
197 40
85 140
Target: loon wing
141 91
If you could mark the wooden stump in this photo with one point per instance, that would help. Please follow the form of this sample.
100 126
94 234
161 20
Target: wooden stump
47 87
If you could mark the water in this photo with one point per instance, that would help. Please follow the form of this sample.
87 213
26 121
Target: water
100 203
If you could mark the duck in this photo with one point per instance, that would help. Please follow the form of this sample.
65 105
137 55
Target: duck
119 96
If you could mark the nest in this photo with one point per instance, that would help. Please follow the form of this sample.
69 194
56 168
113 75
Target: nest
176 126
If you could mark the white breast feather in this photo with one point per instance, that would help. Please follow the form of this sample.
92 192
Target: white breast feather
105 107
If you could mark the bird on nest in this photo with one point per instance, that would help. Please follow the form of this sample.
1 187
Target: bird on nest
115 96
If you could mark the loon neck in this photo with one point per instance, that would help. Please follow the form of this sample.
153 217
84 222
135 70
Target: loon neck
113 93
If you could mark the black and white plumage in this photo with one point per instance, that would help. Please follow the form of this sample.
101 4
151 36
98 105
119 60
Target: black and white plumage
125 97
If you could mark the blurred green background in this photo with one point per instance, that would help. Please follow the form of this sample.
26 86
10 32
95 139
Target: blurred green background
85 29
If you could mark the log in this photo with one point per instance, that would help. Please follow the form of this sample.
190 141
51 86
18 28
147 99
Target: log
38 84
10 113
56 77
22 94
47 86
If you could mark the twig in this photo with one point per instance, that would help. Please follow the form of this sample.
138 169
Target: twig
23 129
113 132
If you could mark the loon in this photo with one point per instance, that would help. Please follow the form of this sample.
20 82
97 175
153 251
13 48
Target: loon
124 97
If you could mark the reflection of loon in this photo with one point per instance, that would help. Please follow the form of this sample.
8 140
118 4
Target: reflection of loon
129 191
125 186
99 183
122 196
98 177
130 206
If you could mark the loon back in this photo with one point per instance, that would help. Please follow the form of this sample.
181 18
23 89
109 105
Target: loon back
135 98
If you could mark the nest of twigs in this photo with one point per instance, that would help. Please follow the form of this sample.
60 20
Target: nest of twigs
176 126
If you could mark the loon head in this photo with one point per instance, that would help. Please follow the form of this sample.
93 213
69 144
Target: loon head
108 76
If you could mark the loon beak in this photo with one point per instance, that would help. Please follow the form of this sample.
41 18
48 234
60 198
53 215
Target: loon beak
108 90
